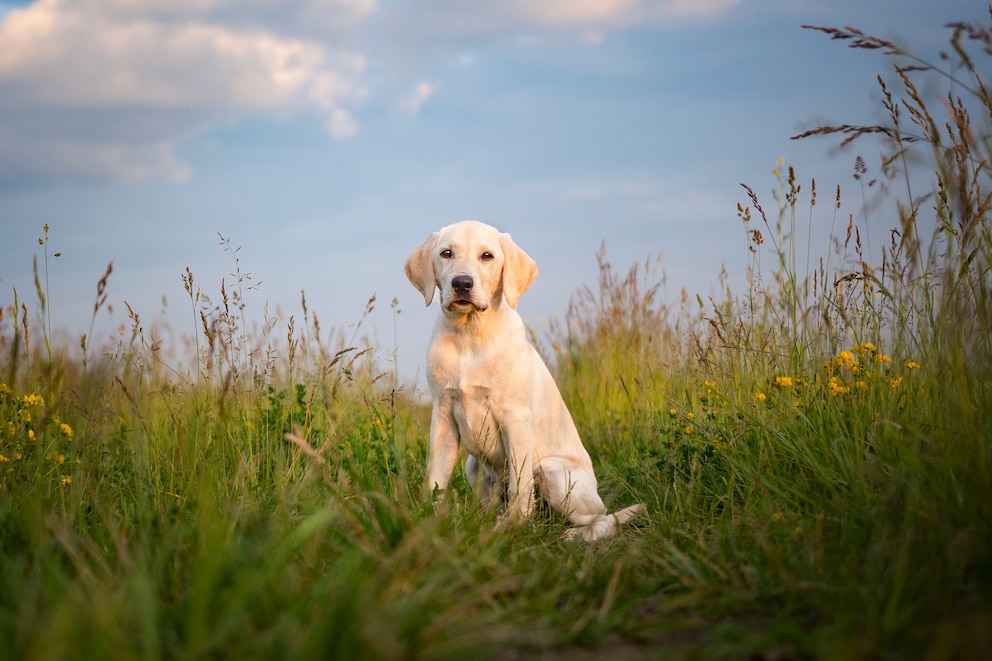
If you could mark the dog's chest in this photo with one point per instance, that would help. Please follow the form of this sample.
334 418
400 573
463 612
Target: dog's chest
468 390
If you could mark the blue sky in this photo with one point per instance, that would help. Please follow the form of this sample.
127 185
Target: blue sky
327 138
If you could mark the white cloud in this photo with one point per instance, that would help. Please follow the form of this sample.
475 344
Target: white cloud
68 60
696 8
323 15
578 12
107 89
341 125
24 159
465 59
458 21
614 13
412 102
420 33
75 60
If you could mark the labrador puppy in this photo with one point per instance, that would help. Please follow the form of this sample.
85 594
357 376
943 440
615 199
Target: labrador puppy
492 394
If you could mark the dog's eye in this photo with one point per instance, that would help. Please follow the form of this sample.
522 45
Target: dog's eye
486 256
446 254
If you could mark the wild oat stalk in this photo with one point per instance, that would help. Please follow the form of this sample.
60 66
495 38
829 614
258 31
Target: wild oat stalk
101 300
194 299
952 283
44 294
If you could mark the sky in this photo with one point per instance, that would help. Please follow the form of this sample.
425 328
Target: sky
328 138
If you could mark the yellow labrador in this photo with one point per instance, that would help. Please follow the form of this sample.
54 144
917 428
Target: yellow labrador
493 395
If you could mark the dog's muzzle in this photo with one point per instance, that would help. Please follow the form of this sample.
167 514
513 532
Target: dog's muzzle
461 294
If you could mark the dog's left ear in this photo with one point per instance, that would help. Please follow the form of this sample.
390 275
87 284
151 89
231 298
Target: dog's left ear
519 270
420 268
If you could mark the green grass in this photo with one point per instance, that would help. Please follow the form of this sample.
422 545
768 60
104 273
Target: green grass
814 452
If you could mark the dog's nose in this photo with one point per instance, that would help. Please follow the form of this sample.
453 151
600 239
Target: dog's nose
462 284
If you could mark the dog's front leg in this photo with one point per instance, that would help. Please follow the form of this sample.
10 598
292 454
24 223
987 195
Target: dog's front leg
443 451
518 444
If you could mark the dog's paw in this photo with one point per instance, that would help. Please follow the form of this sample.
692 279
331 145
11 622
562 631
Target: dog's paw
601 528
604 526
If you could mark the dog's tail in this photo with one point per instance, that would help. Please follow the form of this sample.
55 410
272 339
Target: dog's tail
600 526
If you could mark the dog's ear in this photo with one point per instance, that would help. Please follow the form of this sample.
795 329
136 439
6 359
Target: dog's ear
519 270
420 268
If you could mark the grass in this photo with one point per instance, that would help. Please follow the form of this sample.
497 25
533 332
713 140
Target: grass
814 452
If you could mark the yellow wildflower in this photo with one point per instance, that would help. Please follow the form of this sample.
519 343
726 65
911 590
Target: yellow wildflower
861 385
66 480
777 171
33 400
31 435
882 358
690 415
895 382
760 396
672 412
912 365
836 388
3 459
868 346
688 429
847 360
783 381
66 430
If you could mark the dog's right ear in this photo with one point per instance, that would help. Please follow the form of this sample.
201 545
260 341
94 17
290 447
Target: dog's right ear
420 268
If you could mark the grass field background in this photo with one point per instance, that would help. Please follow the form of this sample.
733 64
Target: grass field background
813 449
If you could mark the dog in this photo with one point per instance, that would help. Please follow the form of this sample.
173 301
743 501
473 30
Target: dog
493 396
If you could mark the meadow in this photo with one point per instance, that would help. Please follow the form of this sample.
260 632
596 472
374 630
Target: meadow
814 449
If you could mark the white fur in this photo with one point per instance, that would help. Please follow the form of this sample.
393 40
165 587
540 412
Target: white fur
493 395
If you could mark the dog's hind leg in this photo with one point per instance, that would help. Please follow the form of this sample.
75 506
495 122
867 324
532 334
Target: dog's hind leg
574 493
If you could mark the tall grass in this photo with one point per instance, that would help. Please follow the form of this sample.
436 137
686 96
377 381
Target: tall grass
814 450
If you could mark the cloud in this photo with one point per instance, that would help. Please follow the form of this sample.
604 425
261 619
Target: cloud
459 21
600 14
340 124
106 90
578 12
26 159
420 33
170 67
421 92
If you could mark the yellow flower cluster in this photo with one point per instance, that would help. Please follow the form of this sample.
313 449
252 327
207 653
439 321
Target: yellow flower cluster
684 422
836 388
868 363
859 359
33 400
19 431
851 370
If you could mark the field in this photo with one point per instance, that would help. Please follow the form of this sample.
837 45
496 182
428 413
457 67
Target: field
815 453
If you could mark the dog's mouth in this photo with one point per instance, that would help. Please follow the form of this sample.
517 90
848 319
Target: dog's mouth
463 305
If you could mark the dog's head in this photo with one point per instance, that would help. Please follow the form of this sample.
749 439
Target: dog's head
473 265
